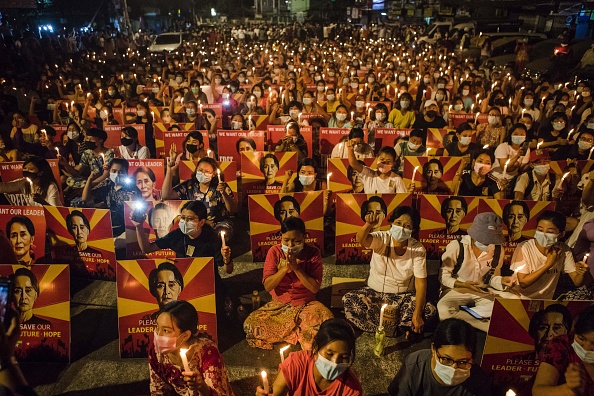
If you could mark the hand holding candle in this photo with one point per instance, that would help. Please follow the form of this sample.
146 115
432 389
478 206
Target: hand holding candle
282 352
265 381
184 358
328 180
223 238
505 168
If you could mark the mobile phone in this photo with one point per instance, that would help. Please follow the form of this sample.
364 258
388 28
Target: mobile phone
471 312
5 286
139 212
525 145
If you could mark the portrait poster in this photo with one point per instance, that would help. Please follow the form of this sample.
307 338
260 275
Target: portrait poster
82 238
217 108
277 132
159 130
156 112
387 136
342 176
268 211
141 295
41 296
349 220
264 173
519 220
259 122
161 218
330 137
228 173
178 137
114 133
437 230
432 175
14 170
571 176
25 228
229 146
148 176
517 333
434 139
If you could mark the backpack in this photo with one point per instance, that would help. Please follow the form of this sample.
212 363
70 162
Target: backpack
530 186
487 277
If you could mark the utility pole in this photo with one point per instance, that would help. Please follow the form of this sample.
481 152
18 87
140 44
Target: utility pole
126 17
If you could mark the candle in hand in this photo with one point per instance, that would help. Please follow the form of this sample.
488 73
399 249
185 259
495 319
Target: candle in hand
184 358
282 352
510 393
30 185
265 381
381 320
328 180
415 173
505 168
223 238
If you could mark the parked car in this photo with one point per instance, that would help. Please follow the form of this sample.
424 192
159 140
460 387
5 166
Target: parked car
166 42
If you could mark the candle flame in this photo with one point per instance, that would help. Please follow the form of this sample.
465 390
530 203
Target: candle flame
486 146
264 374
283 349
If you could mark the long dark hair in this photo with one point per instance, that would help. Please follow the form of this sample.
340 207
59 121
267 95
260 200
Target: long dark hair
183 314
47 178
331 330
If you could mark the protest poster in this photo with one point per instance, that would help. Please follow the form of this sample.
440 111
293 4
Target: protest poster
228 173
434 139
432 175
147 175
264 173
114 134
277 132
389 136
268 211
159 132
25 228
342 176
145 286
232 143
10 171
330 137
178 138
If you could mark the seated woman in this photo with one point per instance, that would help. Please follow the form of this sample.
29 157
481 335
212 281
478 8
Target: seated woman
293 141
325 370
292 275
306 178
177 327
131 148
205 186
461 144
397 276
446 369
37 187
476 182
567 362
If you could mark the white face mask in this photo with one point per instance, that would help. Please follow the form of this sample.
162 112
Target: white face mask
545 239
295 249
465 140
426 80
558 126
439 97
449 375
225 96
294 114
493 120
258 94
404 104
306 180
541 169
440 86
528 102
354 85
481 247
236 125
465 92
140 113
164 344
330 97
321 89
482 169
458 107
307 101
586 356
383 168
330 370
380 116
413 147
341 116
203 177
400 233
360 104
518 139
114 177
188 228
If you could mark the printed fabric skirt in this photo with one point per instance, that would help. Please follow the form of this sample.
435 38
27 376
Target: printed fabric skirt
362 308
277 322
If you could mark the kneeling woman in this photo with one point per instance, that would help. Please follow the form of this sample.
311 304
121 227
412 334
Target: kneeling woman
397 277
177 327
325 370
292 275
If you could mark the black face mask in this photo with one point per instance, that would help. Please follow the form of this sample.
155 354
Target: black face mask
192 148
126 141
499 102
86 145
30 175
431 113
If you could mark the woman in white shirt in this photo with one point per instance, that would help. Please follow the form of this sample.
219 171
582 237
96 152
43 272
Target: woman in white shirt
381 180
397 277
131 148
514 152
37 187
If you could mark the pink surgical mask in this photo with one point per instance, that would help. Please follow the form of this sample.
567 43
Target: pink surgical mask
165 344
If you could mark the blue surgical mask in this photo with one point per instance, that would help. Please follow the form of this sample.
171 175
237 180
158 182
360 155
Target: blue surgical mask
330 370
187 228
295 249
203 177
400 233
449 375
481 247
518 139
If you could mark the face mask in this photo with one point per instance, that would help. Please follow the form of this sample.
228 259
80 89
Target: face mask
291 67
400 233
449 375
165 344
401 78
341 116
380 116
190 112
331 74
51 106
330 370
558 126
155 90
354 85
413 147
203 177
345 81
225 96
257 94
586 356
73 135
431 113
191 148
541 169
440 86
564 103
518 139
195 90
436 75
307 101
383 168
465 92
465 140
317 78
404 104
585 94
86 145
371 80
493 120
294 114
30 175
141 113
545 239
439 97
426 80
482 248
330 97
458 107
179 79
359 104
295 249
111 93
236 125
114 177
187 228
306 180
126 141
482 169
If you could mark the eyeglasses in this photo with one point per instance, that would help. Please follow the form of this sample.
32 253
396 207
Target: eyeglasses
462 364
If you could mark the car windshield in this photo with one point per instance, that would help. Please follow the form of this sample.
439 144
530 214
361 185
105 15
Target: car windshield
167 39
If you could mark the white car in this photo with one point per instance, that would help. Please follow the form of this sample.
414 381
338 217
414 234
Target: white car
166 42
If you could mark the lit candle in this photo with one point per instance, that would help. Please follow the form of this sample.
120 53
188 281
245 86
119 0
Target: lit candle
505 168
223 239
538 145
208 151
515 275
564 177
184 358
415 173
476 116
103 157
299 118
486 146
585 259
282 352
352 115
264 381
510 393
590 155
381 321
30 185
57 152
328 180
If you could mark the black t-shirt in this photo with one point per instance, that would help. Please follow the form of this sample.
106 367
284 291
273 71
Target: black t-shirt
208 244
415 378
468 189
454 150
422 123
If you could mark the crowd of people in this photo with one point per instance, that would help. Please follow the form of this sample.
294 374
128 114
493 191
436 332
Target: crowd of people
512 127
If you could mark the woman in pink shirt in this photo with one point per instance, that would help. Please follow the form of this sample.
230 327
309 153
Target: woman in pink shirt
325 370
292 275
